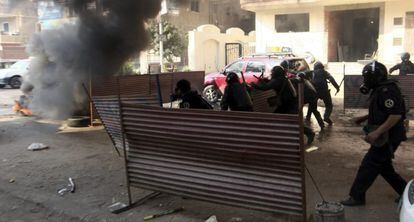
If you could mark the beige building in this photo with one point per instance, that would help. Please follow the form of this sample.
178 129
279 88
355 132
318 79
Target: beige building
336 30
190 15
224 14
18 21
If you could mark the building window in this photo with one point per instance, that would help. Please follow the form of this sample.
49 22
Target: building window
398 21
292 22
195 6
409 20
6 27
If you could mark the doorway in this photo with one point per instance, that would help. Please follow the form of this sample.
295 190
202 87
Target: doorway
352 34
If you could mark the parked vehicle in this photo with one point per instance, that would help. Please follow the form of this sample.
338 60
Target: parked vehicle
13 76
252 67
407 204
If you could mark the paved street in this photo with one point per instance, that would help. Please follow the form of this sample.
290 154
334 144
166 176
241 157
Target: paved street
7 97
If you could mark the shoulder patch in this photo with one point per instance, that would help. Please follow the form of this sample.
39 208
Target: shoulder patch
389 103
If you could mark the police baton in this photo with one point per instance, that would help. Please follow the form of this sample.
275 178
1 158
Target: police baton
340 85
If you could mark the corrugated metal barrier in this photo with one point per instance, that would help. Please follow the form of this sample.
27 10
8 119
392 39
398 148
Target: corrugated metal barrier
244 159
354 99
251 160
136 89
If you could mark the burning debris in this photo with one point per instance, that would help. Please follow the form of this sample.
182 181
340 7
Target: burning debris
96 46
22 106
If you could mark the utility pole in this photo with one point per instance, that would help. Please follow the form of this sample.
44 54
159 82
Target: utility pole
161 44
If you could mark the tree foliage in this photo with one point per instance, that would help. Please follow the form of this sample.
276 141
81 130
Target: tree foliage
173 40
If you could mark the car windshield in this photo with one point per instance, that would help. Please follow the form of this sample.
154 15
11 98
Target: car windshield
235 67
23 64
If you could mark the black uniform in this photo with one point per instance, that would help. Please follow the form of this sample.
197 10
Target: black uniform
320 79
405 67
311 98
289 102
192 100
236 98
386 100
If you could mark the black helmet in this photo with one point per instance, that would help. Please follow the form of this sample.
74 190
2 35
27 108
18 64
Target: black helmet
318 65
374 73
183 85
405 56
278 71
232 77
285 64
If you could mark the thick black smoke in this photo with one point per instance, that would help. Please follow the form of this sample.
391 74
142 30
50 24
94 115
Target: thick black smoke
97 45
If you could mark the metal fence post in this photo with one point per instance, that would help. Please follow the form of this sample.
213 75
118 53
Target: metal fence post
159 89
123 141
302 146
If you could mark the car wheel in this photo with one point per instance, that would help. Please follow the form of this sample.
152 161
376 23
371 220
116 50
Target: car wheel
211 93
2 86
16 82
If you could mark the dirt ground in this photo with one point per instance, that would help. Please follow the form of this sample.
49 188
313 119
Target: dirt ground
29 180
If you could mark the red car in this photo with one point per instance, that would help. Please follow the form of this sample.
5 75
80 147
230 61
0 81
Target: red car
252 67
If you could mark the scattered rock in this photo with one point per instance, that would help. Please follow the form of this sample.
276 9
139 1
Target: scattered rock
212 219
12 180
37 146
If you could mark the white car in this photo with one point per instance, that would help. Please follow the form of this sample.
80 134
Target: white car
13 76
407 204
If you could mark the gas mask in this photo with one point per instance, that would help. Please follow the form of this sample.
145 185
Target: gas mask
373 74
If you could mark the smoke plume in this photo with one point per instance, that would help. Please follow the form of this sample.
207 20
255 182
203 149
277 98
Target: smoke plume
97 45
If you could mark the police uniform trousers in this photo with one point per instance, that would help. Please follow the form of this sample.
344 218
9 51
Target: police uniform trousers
327 100
378 161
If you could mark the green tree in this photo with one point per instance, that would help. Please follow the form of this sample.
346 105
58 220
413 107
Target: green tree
174 41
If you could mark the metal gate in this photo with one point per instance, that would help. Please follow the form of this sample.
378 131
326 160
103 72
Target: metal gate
233 52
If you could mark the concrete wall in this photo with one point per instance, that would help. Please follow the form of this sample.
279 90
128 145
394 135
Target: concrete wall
316 40
392 10
188 20
206 47
301 42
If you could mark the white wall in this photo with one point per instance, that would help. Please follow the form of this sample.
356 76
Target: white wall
206 47
313 41
394 9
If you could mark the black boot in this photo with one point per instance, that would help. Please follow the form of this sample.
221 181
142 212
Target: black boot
351 202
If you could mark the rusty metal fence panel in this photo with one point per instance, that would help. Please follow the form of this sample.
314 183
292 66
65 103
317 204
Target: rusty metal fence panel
107 108
353 99
251 160
146 84
136 89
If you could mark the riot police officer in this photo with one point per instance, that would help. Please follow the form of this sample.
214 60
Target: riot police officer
235 95
190 99
320 79
311 98
405 67
286 93
384 132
